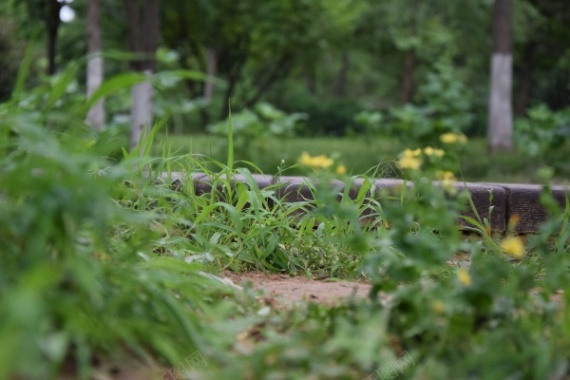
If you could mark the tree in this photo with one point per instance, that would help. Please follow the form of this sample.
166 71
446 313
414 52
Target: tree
47 12
53 22
96 115
500 124
420 34
252 44
143 22
542 67
10 54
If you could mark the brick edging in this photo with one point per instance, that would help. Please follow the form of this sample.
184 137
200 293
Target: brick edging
508 199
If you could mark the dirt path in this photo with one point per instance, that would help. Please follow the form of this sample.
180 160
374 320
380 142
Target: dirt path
297 289
283 290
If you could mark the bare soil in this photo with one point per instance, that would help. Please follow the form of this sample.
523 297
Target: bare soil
298 289
278 289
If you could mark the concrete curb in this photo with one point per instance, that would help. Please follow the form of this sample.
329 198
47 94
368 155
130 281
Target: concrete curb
508 200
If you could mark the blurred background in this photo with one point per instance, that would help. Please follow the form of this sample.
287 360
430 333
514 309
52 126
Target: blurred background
357 80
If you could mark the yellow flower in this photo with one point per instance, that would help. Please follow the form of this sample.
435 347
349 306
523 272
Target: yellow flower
341 170
409 160
409 163
316 162
415 153
513 246
464 277
438 306
452 138
448 138
513 221
429 151
412 153
305 159
447 179
445 175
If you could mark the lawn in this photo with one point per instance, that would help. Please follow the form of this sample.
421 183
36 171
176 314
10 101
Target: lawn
373 156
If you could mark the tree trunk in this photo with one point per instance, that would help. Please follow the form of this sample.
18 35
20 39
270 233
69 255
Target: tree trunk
500 127
143 20
268 78
408 84
340 88
141 111
233 59
211 70
310 79
96 115
525 82
52 25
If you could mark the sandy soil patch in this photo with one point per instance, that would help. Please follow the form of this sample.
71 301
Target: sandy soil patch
296 289
280 289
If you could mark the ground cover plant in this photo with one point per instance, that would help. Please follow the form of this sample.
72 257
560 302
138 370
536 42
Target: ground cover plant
373 155
106 257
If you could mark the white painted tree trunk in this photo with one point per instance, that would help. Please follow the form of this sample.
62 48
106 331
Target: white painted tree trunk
141 111
96 115
500 103
95 73
212 68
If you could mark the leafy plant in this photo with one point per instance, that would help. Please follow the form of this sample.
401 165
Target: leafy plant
542 132
442 106
78 276
262 123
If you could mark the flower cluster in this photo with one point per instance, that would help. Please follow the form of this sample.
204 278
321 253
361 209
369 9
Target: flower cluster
429 151
453 138
316 162
411 159
320 162
447 178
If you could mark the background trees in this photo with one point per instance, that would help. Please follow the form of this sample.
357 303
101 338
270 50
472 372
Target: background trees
500 100
143 36
331 60
95 66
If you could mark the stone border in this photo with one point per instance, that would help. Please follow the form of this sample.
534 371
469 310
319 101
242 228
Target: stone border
508 199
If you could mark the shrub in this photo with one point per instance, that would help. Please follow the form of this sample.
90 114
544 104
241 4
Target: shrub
326 117
442 106
543 136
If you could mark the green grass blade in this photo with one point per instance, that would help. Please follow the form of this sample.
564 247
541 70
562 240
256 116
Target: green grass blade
230 140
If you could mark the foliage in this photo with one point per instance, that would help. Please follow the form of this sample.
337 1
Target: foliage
78 275
10 56
373 155
334 58
326 116
543 132
110 258
264 121
260 124
443 107
256 43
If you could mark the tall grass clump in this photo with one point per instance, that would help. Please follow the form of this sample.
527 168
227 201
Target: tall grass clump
79 277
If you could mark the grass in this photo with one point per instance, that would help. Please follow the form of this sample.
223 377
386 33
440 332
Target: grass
373 156
101 261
